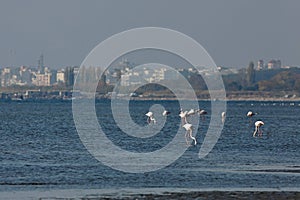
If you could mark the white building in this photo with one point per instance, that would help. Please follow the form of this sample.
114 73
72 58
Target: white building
274 64
41 79
5 77
60 76
260 65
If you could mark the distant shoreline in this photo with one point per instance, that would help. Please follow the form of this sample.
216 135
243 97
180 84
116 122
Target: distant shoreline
227 99
161 99
204 96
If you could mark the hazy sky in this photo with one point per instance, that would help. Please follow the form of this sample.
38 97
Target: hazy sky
233 32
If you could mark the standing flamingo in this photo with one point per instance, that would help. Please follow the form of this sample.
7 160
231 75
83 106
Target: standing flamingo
183 116
202 113
250 114
150 118
189 130
223 115
258 124
165 113
191 112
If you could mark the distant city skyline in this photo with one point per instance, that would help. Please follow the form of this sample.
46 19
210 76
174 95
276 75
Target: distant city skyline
233 32
126 72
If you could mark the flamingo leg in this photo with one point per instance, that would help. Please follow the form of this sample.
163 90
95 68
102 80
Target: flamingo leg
260 132
223 120
154 121
186 137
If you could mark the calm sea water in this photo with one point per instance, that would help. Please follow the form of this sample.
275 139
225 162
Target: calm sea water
40 149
